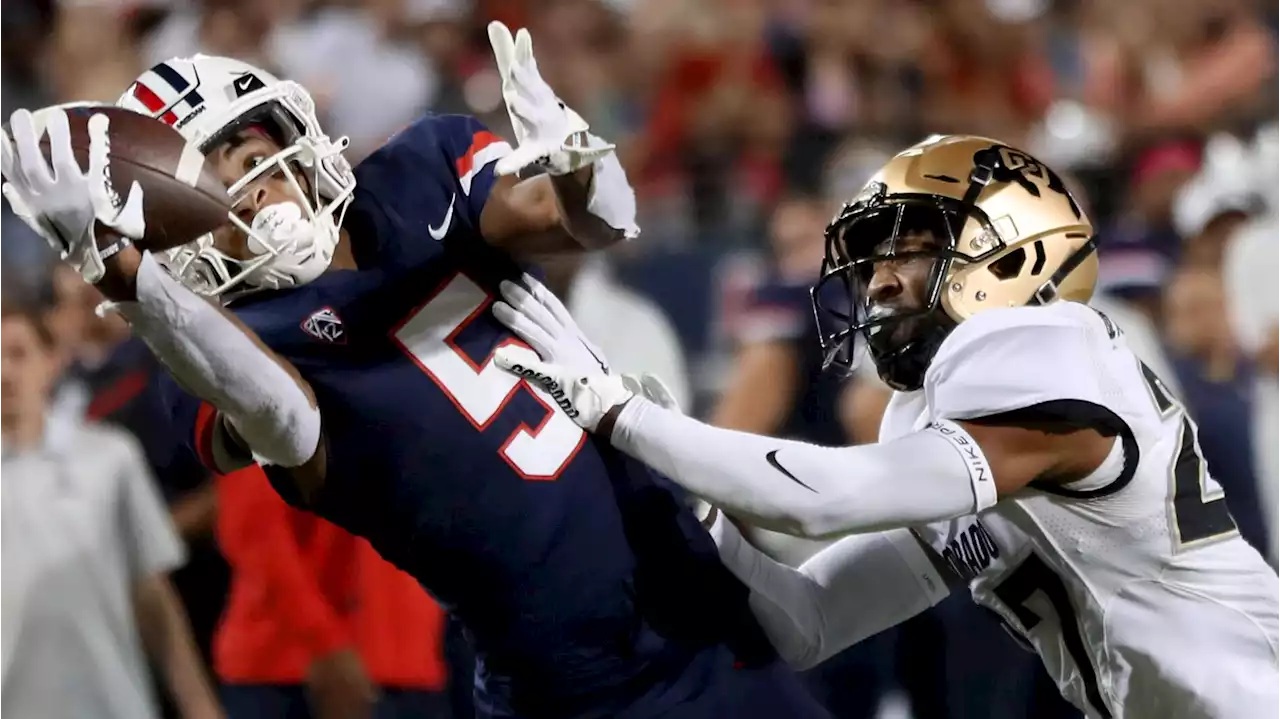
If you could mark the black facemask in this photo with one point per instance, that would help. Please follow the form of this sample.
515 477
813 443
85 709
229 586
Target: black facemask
901 340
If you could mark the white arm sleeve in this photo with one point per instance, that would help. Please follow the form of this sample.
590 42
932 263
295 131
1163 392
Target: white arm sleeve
216 361
853 589
811 491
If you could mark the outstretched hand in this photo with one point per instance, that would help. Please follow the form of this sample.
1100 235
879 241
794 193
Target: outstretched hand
569 366
76 211
549 134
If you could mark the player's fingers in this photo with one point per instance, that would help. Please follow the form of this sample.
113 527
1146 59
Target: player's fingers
131 220
656 391
517 160
504 49
524 48
8 160
30 157
548 299
520 108
528 100
526 131
525 329
524 156
522 111
525 61
519 298
528 83
61 156
505 168
17 201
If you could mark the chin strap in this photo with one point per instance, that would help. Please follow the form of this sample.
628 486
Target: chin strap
1048 292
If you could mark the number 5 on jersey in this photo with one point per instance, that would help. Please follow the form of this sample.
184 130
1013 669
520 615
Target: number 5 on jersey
481 391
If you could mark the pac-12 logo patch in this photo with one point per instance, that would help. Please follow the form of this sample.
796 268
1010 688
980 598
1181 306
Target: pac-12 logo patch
324 324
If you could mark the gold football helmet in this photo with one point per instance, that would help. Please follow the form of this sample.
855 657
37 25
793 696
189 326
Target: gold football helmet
1004 232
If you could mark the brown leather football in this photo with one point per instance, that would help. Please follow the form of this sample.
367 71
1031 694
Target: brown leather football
182 197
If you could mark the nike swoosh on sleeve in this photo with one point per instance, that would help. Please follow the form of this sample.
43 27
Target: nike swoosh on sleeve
772 459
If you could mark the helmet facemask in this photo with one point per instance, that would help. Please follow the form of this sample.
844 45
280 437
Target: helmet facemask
876 229
999 229
278 260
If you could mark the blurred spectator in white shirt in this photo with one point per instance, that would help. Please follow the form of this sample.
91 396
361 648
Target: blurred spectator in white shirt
87 549
368 76
1253 311
633 332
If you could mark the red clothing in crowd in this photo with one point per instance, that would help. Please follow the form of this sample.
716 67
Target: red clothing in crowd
302 588
399 628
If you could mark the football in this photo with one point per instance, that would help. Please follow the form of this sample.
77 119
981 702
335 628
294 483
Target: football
182 197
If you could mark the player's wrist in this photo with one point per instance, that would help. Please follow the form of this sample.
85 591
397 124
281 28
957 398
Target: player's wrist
119 283
610 419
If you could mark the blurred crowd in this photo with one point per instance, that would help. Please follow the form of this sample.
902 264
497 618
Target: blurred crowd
743 124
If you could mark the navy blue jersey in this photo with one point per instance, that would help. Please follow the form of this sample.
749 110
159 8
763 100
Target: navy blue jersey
582 582
781 311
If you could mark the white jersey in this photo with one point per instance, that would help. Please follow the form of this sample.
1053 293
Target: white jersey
1133 584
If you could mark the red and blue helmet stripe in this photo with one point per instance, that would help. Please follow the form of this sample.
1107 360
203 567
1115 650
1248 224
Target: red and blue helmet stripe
167 94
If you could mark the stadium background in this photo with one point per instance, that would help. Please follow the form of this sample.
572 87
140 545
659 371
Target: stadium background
743 124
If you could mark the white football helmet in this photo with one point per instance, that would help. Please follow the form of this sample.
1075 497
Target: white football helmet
208 99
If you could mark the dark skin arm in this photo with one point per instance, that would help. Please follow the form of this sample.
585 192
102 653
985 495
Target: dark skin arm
544 215
120 285
763 386
1018 455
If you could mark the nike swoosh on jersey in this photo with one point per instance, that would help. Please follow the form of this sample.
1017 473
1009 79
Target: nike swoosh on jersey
438 233
772 459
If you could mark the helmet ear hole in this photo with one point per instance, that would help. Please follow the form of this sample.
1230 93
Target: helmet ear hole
1009 266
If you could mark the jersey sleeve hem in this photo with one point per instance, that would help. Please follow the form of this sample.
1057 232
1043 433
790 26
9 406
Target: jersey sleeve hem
1069 415
203 440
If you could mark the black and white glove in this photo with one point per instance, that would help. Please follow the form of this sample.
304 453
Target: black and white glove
60 201
570 367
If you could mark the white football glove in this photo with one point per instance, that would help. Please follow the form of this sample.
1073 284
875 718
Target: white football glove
572 368
57 199
548 133
538 317
587 398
